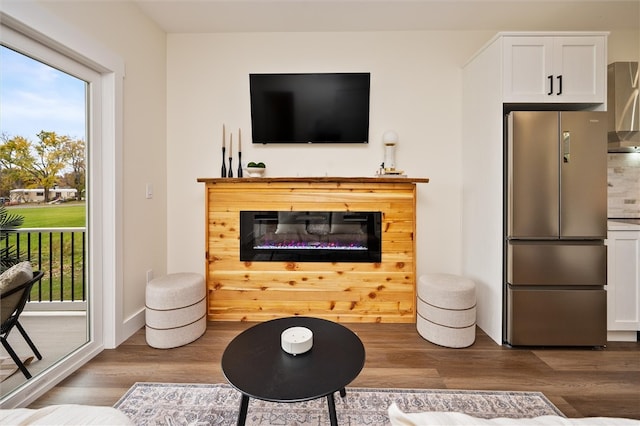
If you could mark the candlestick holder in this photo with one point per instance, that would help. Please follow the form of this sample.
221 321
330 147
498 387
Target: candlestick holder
230 168
239 164
223 171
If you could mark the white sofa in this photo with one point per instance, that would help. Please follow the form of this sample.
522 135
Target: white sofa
65 414
399 418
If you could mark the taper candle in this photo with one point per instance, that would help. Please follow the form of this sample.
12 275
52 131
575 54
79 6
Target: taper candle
239 154
223 170
230 174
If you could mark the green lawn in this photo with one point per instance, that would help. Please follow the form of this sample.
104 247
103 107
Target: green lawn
52 252
54 216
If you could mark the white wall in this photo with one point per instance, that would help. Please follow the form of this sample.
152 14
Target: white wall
123 29
415 90
624 46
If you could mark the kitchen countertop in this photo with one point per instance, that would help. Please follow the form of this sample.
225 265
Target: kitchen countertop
623 224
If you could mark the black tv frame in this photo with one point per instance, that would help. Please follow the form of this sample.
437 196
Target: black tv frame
310 107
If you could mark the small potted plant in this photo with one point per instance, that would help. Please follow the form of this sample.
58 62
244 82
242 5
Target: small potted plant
9 255
256 169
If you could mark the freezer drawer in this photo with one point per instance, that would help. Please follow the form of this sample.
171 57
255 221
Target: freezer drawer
559 264
556 317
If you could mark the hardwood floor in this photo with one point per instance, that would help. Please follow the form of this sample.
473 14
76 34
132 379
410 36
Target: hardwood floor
580 382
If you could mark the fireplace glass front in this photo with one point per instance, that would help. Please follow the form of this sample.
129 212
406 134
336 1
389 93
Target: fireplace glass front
310 236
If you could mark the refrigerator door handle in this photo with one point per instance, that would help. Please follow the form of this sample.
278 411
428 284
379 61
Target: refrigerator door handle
566 146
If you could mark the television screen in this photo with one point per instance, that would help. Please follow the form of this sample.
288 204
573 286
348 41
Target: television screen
310 108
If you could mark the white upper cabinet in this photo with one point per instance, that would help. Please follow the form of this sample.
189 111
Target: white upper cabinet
554 69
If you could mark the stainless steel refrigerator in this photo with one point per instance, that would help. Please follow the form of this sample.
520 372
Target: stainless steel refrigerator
555 226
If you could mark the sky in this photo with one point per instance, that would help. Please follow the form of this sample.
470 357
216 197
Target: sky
36 97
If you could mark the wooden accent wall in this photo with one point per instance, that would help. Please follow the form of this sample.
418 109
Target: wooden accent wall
338 291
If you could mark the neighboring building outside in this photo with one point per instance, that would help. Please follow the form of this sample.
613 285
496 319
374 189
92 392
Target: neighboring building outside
20 196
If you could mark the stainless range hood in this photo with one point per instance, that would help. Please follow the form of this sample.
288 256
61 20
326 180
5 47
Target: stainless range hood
624 107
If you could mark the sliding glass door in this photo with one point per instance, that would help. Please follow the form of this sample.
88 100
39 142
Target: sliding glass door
50 113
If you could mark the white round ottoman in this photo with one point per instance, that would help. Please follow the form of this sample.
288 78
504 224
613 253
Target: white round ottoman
447 310
175 310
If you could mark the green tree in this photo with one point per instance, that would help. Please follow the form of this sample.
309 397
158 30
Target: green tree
51 158
76 161
12 152
37 164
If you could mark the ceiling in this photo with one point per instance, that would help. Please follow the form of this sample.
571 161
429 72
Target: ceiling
209 16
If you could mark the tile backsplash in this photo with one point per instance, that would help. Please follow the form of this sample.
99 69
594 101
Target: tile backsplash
623 177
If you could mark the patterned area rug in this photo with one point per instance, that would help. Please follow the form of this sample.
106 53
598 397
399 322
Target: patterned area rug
197 404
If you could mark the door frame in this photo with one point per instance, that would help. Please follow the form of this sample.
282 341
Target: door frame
104 209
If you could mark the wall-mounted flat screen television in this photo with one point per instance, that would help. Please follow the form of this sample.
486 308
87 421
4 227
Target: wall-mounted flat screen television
310 108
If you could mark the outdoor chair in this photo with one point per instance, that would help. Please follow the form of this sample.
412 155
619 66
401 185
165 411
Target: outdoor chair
12 301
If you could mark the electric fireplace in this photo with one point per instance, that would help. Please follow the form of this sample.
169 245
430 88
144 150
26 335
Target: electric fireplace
310 236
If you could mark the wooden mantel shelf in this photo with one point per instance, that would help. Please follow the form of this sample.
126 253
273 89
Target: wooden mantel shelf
339 291
319 179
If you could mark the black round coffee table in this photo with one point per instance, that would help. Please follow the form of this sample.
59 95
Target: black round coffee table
255 364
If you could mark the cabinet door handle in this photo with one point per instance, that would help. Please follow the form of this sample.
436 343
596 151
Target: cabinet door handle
550 85
560 84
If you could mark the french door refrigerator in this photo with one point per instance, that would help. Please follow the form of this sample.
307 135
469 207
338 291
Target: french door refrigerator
556 223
